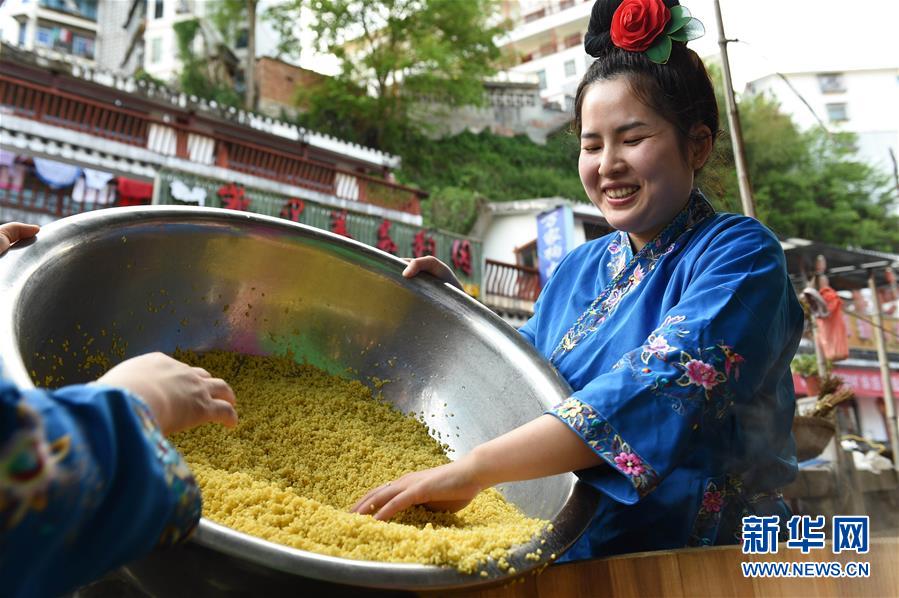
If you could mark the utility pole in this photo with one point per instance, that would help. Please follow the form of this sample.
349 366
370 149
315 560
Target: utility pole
733 119
250 68
883 358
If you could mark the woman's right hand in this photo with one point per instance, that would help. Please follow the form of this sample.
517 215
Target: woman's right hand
180 396
433 266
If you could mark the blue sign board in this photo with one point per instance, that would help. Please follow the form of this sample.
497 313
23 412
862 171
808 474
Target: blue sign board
555 230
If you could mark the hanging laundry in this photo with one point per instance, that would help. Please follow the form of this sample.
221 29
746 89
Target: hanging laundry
7 158
832 337
861 310
56 175
193 195
134 193
93 187
12 173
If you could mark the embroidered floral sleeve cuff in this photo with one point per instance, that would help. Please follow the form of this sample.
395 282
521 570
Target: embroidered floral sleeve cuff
637 476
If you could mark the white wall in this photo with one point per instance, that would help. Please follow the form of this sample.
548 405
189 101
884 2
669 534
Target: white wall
872 105
557 83
506 232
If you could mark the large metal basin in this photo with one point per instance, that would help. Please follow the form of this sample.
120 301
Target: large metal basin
158 278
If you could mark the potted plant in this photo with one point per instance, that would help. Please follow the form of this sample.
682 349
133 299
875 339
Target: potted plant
806 365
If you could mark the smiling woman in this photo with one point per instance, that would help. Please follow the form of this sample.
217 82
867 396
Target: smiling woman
675 332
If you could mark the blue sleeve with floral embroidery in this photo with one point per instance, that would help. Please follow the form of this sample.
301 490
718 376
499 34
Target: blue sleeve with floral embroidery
678 356
87 483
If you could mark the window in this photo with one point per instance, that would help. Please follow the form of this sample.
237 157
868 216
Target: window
573 40
526 255
831 82
159 6
530 18
243 37
570 69
183 7
836 113
155 50
23 29
83 46
548 49
541 76
566 4
45 36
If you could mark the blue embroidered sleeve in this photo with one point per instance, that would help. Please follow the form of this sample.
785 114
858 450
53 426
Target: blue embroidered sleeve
87 483
696 387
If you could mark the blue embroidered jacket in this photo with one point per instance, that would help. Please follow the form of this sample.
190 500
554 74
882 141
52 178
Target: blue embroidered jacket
87 483
679 361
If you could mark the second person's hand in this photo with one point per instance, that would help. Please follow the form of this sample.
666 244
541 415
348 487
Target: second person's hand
433 266
180 396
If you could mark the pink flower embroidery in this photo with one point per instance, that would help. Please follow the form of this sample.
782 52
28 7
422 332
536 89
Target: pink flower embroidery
712 501
658 346
629 463
639 274
702 374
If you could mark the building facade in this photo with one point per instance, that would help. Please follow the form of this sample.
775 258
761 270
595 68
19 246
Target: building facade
69 26
76 138
547 42
861 101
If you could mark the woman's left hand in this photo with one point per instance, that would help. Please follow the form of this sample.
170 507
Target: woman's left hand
13 232
446 488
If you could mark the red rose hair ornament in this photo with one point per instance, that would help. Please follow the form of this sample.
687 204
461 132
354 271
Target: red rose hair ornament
649 26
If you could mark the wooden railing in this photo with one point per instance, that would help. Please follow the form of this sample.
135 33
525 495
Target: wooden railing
38 198
510 280
93 117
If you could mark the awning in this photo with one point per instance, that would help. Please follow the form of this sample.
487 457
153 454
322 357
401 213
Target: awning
865 382
134 192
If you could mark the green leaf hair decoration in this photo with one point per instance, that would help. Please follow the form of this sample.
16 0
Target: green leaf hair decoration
682 27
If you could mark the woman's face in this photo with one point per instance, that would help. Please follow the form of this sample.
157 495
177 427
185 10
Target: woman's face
631 162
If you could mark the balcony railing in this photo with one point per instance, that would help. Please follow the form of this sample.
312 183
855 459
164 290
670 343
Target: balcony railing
511 281
72 111
37 198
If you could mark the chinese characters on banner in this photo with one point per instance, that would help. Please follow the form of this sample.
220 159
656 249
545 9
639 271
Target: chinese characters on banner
338 224
554 239
233 197
461 256
292 209
385 243
423 245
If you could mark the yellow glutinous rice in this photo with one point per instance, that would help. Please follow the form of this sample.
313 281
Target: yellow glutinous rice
308 446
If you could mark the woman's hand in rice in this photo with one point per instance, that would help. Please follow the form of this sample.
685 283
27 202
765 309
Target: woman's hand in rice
449 487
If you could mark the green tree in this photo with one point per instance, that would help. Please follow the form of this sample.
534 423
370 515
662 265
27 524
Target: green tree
201 76
807 184
394 54
234 19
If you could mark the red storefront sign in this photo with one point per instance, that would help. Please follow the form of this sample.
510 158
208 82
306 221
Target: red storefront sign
864 382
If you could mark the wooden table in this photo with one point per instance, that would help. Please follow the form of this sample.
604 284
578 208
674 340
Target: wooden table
699 572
